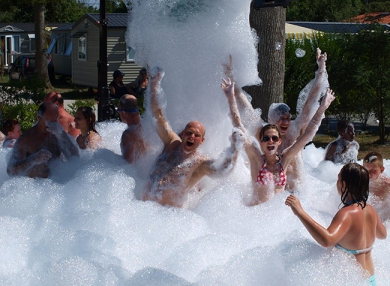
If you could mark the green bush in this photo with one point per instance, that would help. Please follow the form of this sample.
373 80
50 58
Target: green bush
19 104
72 108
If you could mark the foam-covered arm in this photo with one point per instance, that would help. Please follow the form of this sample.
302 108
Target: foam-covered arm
241 100
226 165
314 93
228 87
20 165
310 130
164 130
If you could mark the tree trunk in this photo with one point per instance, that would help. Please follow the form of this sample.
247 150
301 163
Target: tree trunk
270 26
40 44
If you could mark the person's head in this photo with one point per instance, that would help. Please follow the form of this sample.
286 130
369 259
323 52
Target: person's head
118 75
55 98
352 184
270 139
11 129
47 112
85 119
279 115
192 136
346 130
128 110
373 162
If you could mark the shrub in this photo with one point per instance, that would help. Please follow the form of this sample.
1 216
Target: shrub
72 108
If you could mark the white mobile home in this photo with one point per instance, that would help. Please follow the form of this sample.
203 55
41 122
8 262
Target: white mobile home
85 49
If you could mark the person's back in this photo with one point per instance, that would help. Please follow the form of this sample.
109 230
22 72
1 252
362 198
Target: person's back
361 234
133 144
355 226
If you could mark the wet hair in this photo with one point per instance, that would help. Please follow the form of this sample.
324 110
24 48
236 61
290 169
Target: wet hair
374 157
89 115
268 127
43 107
9 126
342 126
277 110
356 179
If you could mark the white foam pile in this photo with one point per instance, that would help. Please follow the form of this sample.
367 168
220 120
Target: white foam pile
86 226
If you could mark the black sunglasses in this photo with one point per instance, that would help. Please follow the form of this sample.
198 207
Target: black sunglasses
267 138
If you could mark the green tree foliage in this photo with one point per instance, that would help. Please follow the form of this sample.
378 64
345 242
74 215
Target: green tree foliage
332 10
358 71
22 11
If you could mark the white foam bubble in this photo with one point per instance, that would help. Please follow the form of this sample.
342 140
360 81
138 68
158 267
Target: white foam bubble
85 225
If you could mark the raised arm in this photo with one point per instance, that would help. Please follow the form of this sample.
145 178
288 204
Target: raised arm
228 87
242 100
324 236
226 164
164 130
317 84
310 130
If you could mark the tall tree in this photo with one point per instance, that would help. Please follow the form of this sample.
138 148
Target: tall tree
40 44
269 24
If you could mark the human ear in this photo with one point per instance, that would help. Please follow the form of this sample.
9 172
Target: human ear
382 169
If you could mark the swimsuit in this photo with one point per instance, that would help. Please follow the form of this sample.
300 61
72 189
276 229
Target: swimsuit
371 280
265 177
358 251
354 252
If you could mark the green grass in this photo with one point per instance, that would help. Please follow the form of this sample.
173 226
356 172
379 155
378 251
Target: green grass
61 85
366 141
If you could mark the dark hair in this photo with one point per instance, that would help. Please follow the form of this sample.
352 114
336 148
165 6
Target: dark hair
356 180
9 126
42 108
89 115
342 125
268 127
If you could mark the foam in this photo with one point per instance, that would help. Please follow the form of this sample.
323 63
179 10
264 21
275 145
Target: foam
85 225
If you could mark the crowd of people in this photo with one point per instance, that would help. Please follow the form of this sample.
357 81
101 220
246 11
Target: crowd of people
273 150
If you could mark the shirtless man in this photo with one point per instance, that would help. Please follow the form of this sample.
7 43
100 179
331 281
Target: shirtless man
379 182
39 145
66 120
181 165
133 145
344 149
279 114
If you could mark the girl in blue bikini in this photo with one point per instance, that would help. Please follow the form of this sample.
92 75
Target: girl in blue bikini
355 226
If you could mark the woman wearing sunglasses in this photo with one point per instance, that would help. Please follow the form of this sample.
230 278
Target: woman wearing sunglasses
267 165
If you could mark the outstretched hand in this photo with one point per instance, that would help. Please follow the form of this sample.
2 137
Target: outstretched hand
329 97
228 87
239 138
156 75
293 202
321 59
